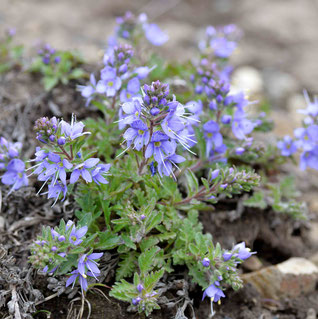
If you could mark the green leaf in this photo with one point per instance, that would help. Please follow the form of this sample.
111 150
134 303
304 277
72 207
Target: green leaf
108 240
126 266
147 258
50 83
153 220
192 183
123 290
152 279
256 200
128 242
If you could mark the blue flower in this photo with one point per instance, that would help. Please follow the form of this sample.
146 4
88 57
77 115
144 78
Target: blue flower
138 134
309 159
73 130
82 170
15 175
312 107
76 235
160 147
213 292
166 166
82 279
154 34
132 110
99 173
241 126
133 87
223 48
213 137
242 252
88 261
287 146
88 90
110 83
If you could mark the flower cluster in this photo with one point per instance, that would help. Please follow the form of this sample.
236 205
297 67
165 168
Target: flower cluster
61 157
47 53
221 41
306 137
156 126
13 167
131 28
231 258
118 77
57 247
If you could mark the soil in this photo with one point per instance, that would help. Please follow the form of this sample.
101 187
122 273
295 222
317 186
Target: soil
275 237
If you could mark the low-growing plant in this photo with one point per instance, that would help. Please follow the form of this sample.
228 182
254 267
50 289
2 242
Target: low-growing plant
57 66
142 174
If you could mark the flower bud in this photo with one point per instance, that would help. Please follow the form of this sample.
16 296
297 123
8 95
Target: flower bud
61 140
205 262
140 287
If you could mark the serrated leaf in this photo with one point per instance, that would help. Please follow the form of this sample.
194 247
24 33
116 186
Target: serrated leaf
152 279
126 266
108 240
147 258
153 220
192 183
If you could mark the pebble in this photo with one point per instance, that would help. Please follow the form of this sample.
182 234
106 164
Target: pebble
289 279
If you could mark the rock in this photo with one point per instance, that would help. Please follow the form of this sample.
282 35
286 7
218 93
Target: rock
248 79
2 223
312 233
311 314
289 279
252 264
279 86
314 259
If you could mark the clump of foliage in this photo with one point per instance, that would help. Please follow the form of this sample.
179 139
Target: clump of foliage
10 54
57 66
169 158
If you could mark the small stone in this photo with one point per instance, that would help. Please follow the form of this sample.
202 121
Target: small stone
313 233
248 79
252 263
2 223
289 279
311 314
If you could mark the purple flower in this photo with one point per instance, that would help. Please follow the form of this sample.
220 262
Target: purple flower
138 134
287 146
89 262
58 168
227 255
82 170
143 71
140 287
213 136
88 90
99 172
110 83
310 159
82 279
241 251
73 130
154 34
133 87
55 190
239 150
312 107
15 175
205 262
307 137
76 235
222 47
166 166
136 301
160 146
132 110
213 292
241 126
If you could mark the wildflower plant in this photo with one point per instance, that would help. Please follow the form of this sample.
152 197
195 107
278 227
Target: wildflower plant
56 66
12 167
169 159
10 54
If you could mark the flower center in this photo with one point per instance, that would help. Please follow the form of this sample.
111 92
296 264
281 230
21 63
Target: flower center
157 144
110 83
141 132
73 238
209 135
128 95
137 113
